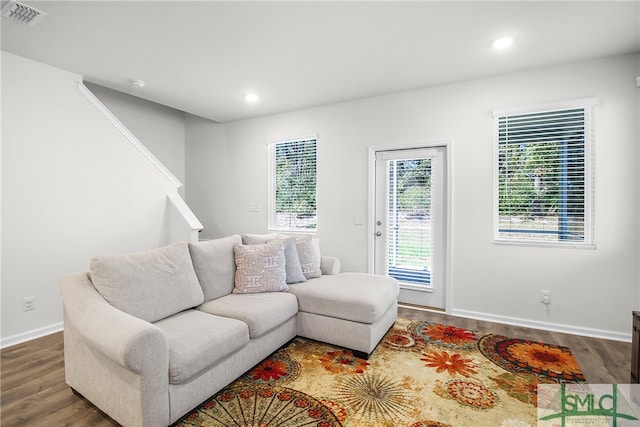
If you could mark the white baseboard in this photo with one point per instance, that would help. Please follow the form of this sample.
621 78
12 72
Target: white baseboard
547 326
31 335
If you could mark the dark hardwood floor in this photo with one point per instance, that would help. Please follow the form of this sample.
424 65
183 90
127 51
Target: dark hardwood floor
602 361
33 391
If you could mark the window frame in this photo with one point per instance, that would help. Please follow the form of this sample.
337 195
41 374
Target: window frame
588 105
272 202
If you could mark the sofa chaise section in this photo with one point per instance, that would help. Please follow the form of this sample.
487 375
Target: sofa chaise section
360 310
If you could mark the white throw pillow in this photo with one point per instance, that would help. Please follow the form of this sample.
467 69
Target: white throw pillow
292 260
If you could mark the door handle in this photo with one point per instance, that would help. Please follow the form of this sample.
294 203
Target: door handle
379 233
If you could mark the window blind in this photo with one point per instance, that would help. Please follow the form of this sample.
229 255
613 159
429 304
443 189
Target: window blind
293 177
409 219
544 176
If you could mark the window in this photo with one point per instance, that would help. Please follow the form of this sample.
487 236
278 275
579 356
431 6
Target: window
543 174
292 183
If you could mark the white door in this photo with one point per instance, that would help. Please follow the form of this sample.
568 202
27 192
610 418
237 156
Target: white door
410 222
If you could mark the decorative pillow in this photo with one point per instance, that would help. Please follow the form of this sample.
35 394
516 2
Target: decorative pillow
215 265
316 249
150 285
260 268
257 239
292 260
307 254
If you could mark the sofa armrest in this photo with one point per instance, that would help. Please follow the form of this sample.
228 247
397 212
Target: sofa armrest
329 265
117 361
132 343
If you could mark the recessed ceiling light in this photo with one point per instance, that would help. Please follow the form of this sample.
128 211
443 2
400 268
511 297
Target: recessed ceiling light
251 98
502 43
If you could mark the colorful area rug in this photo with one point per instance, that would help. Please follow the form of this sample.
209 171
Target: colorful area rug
421 374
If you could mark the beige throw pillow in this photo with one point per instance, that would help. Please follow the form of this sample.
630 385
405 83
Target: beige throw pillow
260 268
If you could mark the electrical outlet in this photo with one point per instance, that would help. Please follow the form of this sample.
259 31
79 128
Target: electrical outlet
546 296
29 303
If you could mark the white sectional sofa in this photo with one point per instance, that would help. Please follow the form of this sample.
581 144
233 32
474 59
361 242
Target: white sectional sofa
150 335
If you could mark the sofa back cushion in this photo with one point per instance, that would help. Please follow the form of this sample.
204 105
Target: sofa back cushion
150 285
258 239
215 266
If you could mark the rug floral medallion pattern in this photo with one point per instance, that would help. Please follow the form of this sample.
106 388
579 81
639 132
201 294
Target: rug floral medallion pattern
421 375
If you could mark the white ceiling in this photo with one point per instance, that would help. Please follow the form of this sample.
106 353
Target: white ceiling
203 56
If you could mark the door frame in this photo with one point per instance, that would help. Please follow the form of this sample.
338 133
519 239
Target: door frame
447 217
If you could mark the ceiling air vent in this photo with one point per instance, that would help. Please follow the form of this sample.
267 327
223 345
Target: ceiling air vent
20 12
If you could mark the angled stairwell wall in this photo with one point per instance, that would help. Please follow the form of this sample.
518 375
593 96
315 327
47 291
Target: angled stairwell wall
73 186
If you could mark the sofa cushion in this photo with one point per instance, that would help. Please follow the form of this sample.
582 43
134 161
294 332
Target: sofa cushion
215 265
257 239
198 340
261 312
150 285
260 268
358 297
308 259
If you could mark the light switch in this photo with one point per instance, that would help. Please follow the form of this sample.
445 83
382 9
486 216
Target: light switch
358 220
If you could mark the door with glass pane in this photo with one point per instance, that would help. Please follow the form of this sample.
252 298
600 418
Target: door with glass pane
409 223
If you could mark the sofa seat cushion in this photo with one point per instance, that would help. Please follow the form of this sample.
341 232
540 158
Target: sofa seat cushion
358 297
262 312
198 340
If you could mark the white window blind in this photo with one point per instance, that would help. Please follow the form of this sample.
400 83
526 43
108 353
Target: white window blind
543 170
293 176
410 208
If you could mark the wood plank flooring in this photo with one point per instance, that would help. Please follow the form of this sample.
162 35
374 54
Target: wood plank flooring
33 391
602 361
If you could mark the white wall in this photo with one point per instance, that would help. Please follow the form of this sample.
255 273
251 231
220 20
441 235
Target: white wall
159 128
72 188
207 189
591 289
